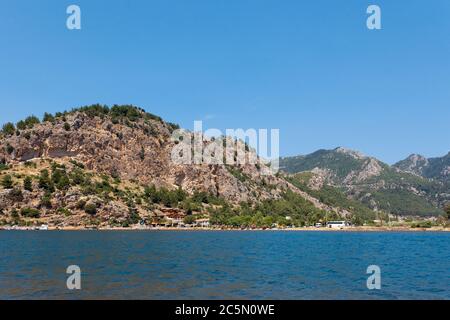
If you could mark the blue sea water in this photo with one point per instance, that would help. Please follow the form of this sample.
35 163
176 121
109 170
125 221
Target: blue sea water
224 265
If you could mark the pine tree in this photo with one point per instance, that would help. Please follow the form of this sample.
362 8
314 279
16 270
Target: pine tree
48 117
8 129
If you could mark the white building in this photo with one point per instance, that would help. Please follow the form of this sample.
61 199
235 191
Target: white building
203 223
337 224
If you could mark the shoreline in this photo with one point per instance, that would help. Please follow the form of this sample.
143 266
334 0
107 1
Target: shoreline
307 229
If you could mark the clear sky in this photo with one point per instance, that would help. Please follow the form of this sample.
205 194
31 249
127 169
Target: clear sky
310 68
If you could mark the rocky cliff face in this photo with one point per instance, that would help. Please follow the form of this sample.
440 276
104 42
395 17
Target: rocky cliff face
138 151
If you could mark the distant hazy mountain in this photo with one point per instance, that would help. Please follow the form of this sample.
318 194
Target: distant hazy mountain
415 186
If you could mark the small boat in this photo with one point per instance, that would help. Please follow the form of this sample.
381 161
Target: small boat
43 227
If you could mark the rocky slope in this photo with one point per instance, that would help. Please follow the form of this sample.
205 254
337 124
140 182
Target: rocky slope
138 150
432 168
403 189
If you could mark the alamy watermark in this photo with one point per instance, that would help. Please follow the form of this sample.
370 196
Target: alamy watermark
235 147
74 280
374 20
73 22
374 280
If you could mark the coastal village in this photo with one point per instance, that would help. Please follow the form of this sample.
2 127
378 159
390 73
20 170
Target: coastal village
177 222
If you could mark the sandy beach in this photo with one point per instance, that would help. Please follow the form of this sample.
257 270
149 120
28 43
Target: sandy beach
306 229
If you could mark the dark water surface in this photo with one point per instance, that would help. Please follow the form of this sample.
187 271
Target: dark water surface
223 265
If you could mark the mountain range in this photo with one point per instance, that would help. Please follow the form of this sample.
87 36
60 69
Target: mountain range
414 186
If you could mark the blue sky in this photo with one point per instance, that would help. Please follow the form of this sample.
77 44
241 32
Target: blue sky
310 68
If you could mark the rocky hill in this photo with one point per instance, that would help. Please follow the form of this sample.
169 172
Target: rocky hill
128 143
339 166
101 166
408 188
432 168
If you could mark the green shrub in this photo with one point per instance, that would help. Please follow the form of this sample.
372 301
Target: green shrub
66 126
30 164
15 215
81 204
95 110
133 216
173 127
46 201
129 112
3 166
28 184
60 178
45 182
168 198
63 183
30 213
7 182
66 212
422 224
189 206
48 117
152 194
237 173
90 208
180 194
189 219
21 125
31 121
77 176
77 164
9 148
200 197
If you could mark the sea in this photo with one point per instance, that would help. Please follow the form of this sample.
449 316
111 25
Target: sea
236 265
